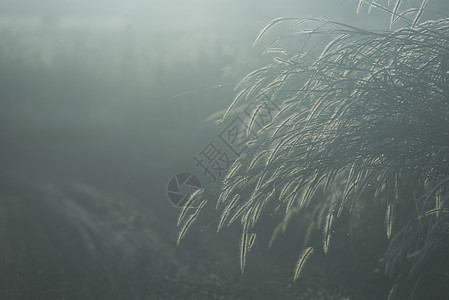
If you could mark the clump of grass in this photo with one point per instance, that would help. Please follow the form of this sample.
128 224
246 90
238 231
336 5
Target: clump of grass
364 121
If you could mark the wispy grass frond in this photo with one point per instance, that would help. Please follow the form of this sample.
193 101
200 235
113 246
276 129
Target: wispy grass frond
395 12
373 106
420 12
328 231
271 24
244 245
188 220
364 120
305 255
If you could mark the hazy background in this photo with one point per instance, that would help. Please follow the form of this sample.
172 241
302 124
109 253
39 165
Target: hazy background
87 87
101 103
93 90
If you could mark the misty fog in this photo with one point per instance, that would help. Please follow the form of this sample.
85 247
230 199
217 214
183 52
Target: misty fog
101 103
